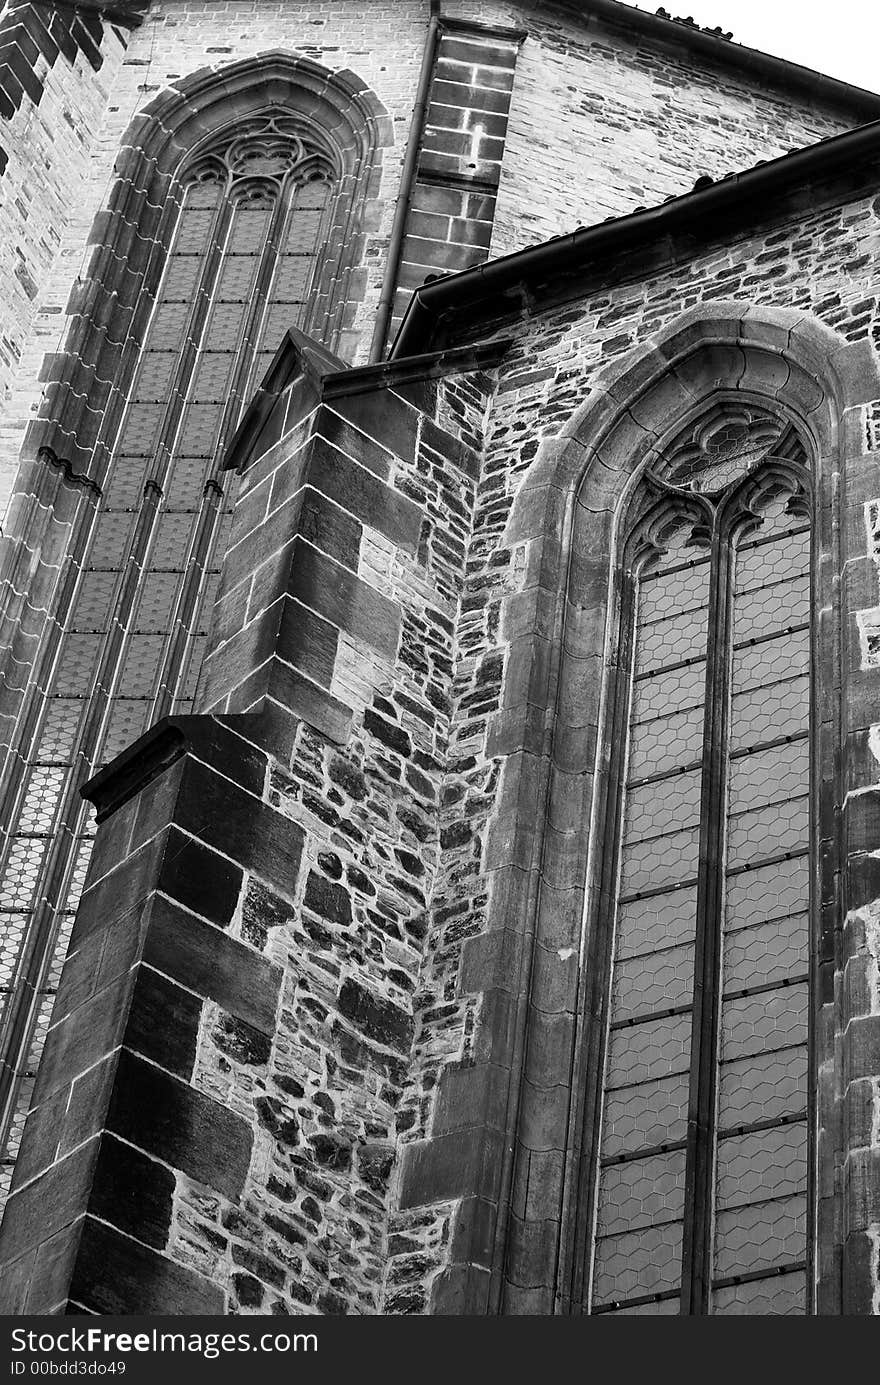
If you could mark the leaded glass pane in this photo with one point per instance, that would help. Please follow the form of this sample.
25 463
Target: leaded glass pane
764 1015
712 895
640 1199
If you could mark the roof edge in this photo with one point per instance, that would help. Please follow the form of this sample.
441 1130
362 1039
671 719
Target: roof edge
457 308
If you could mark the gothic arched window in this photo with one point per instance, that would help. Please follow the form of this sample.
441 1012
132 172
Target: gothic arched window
235 216
702 1193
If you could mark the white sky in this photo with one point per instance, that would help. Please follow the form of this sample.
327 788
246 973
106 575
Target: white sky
837 37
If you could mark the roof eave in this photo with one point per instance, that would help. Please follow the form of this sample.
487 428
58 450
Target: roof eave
463 307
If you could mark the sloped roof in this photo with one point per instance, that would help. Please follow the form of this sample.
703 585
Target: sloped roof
458 308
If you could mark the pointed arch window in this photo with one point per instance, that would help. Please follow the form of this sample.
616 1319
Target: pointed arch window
702 1188
215 243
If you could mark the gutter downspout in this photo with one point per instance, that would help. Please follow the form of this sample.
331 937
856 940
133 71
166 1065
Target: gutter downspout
404 196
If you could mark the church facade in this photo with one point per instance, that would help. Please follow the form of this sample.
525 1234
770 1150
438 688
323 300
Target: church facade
441 642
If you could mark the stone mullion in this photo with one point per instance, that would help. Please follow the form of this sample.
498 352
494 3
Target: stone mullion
53 883
700 1160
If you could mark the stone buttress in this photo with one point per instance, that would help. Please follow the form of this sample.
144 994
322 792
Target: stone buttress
216 1119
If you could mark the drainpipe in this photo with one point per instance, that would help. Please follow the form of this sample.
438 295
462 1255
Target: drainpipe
404 196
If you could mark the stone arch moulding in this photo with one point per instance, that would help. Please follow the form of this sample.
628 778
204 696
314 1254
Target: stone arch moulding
560 631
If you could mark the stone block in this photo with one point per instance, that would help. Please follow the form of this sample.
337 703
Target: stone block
182 1127
114 1274
208 962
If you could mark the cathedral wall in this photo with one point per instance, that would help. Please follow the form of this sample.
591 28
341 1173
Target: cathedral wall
410 807
296 1043
601 122
604 121
408 777
821 265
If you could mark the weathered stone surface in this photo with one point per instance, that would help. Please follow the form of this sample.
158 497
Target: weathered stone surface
297 1030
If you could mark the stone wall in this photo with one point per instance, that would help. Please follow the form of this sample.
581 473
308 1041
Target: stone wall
602 121
818 269
383 645
68 67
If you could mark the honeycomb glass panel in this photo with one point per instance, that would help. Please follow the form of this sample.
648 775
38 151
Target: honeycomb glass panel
640 1262
652 1049
765 714
92 607
768 776
782 1295
752 1164
39 805
671 690
155 376
771 831
664 805
655 921
645 1115
767 952
124 488
128 719
767 892
764 1086
760 612
58 733
662 979
22 873
761 1236
12 930
641 1192
769 660
666 743
769 556
659 861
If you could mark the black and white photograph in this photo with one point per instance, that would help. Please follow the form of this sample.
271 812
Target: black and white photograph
439 677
